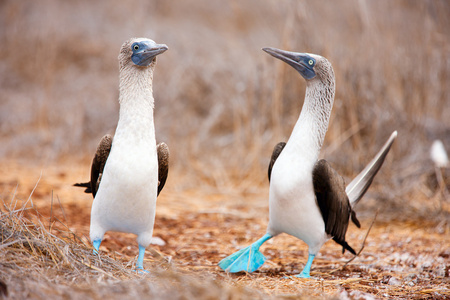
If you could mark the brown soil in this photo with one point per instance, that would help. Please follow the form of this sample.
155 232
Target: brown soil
202 225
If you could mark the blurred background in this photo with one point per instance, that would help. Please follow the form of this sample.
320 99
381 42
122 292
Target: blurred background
221 102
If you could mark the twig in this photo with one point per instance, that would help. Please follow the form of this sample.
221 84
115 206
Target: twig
342 138
442 186
13 197
61 207
29 197
51 215
10 243
97 269
362 246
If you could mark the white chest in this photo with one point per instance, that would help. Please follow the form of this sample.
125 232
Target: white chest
292 201
126 198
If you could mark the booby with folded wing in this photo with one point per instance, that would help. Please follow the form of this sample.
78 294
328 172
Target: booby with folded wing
129 170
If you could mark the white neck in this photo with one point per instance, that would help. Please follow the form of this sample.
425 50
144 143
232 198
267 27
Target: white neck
311 127
136 102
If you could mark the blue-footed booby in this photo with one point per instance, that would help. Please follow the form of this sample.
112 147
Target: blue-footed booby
307 197
129 170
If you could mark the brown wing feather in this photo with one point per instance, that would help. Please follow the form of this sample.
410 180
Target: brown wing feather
163 165
101 155
99 161
333 202
276 152
98 164
86 185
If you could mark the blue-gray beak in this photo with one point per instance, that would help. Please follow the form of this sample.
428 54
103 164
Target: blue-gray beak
302 62
146 53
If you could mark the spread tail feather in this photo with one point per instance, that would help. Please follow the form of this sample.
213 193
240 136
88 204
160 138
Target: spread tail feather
355 219
346 246
358 187
86 185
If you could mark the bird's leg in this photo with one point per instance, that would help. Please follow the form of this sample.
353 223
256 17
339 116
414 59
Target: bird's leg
96 245
307 268
248 259
140 260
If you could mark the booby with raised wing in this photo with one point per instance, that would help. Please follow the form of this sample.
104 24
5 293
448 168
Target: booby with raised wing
126 175
307 197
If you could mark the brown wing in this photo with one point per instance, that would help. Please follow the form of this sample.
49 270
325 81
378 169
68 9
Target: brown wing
163 165
99 161
333 202
276 152
98 164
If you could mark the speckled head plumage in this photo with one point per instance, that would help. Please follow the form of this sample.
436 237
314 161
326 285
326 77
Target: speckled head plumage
137 61
311 66
319 76
140 53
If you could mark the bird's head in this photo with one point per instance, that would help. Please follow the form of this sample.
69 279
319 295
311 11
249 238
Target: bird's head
140 52
310 66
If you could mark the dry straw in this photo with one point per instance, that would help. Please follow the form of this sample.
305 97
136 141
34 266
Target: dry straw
41 263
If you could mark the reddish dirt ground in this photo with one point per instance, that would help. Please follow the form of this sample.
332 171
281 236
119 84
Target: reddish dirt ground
201 226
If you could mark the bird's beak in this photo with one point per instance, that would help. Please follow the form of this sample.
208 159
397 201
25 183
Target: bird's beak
299 61
147 55
151 53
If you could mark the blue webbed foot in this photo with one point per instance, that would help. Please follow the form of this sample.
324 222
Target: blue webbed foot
141 271
248 259
303 275
96 245
307 268
140 261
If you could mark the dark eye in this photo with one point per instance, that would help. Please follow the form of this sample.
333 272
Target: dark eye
310 62
136 47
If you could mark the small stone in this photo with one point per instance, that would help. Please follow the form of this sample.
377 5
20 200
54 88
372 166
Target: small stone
157 241
394 281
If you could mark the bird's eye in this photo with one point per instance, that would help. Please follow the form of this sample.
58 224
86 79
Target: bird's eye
136 47
310 62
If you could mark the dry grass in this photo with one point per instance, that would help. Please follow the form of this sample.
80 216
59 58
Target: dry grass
41 258
39 264
45 252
